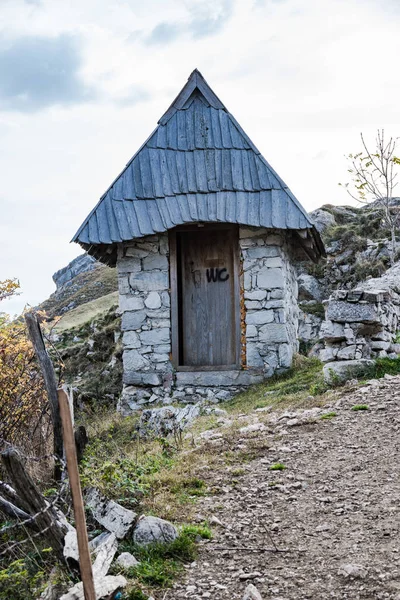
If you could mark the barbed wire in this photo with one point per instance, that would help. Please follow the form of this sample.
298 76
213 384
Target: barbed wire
32 518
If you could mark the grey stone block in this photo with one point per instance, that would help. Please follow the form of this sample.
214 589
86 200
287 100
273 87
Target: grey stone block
270 278
285 352
347 353
130 339
155 261
153 300
255 295
217 378
133 360
273 333
129 302
259 317
263 252
333 332
132 320
346 369
253 357
155 336
148 281
135 378
128 265
347 312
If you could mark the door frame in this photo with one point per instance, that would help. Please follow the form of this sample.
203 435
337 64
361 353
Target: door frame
176 320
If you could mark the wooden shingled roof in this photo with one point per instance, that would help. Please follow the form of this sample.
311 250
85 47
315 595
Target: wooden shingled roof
197 166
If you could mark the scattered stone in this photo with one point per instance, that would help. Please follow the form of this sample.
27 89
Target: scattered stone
114 517
353 571
126 560
150 530
251 593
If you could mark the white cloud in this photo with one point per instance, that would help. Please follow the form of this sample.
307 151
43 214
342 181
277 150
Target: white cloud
302 77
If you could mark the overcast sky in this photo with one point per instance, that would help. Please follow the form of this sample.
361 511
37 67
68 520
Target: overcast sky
83 83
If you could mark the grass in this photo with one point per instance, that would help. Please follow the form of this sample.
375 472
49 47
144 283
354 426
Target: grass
329 415
357 407
292 388
277 467
160 564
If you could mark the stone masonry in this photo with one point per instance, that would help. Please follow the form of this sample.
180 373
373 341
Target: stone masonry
360 325
269 287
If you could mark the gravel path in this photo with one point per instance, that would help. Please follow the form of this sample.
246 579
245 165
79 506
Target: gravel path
333 513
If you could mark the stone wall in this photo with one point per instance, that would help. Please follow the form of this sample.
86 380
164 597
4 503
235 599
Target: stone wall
269 287
270 291
360 324
143 279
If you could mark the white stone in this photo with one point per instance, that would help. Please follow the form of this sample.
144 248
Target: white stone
273 333
155 336
153 300
133 361
130 339
152 530
251 331
132 320
110 514
147 281
259 317
347 353
253 358
270 278
126 560
285 355
265 252
255 295
251 593
128 302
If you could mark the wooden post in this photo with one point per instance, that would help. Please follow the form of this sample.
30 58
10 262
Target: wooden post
85 562
49 376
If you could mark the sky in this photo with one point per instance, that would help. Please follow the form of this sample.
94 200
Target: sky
83 83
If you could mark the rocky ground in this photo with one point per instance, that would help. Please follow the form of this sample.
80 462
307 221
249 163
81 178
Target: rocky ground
327 526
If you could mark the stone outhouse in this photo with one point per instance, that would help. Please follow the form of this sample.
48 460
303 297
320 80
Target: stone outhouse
205 236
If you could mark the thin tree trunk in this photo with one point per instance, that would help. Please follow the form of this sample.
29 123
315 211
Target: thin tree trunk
49 376
393 252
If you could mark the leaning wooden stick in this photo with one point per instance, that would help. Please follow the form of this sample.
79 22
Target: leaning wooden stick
74 482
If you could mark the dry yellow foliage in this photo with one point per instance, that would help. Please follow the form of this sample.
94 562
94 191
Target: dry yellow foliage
23 402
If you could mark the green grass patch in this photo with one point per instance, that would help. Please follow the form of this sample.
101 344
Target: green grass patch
160 564
291 388
329 415
277 467
357 407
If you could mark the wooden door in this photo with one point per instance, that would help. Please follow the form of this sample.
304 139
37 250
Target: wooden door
208 297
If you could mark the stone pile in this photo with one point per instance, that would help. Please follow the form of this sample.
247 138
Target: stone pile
360 325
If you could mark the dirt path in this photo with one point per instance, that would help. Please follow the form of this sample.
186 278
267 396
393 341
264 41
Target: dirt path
336 508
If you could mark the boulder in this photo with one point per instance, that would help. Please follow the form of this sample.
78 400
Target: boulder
167 419
309 288
126 560
347 312
343 370
322 219
152 530
251 593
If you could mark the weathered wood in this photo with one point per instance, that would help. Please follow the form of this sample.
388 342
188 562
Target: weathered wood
102 548
81 441
173 277
12 511
47 519
209 297
105 586
49 376
11 495
85 563
114 517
